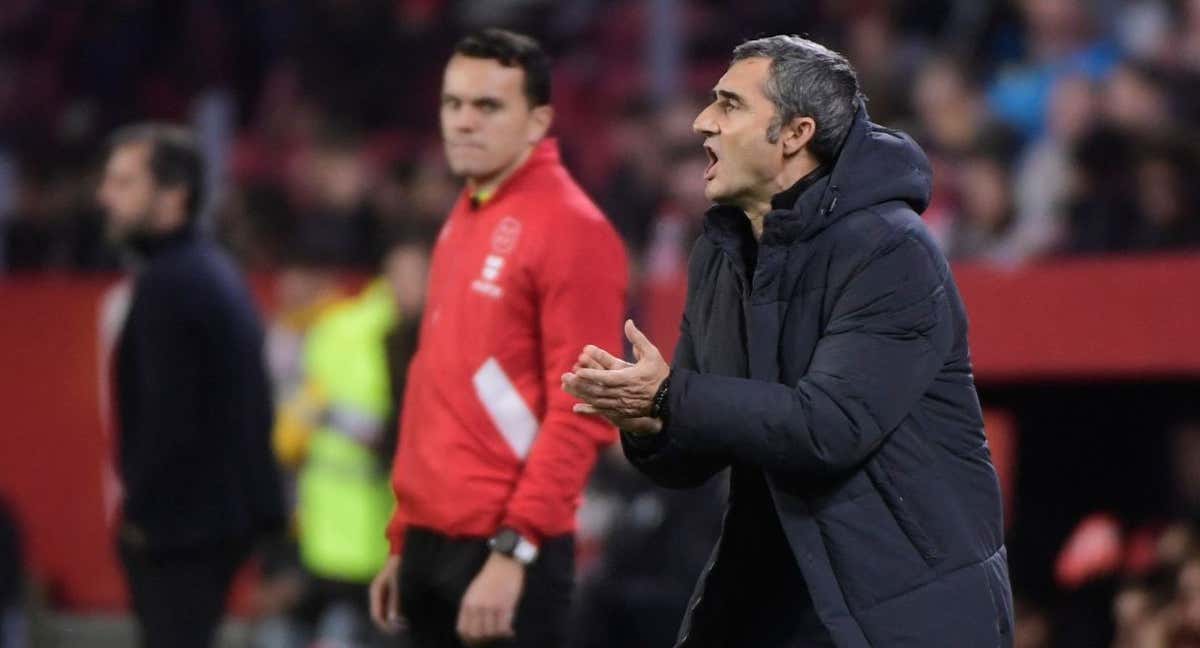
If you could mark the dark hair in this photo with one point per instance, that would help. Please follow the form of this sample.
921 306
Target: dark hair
807 79
513 50
174 157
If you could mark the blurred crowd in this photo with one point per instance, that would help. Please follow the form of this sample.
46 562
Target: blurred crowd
1055 126
1143 570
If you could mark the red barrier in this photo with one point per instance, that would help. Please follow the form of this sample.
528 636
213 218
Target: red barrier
52 448
1125 317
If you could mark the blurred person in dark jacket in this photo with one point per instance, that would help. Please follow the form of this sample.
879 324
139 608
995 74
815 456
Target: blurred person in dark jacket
1168 201
824 359
985 226
193 404
1100 204
633 188
337 222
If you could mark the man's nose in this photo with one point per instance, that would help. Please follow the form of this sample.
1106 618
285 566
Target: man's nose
465 120
704 123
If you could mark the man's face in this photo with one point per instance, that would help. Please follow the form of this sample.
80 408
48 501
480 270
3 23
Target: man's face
487 122
128 192
742 162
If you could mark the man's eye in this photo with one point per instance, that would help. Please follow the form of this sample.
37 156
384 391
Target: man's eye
726 105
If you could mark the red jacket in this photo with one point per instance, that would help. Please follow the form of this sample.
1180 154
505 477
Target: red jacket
517 287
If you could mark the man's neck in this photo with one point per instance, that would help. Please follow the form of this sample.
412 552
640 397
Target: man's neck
757 206
488 185
757 213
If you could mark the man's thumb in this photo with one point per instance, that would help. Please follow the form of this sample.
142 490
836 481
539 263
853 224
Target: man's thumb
640 343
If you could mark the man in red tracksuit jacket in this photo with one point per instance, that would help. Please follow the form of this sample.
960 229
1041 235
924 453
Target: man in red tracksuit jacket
491 460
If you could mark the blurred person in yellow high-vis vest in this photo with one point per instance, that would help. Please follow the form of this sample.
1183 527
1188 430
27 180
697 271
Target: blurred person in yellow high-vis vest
338 431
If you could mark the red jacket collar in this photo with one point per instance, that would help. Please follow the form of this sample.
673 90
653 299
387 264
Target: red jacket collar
544 154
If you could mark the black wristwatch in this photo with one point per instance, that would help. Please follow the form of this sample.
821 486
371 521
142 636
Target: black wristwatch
507 542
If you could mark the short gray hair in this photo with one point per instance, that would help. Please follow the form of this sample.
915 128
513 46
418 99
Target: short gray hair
807 79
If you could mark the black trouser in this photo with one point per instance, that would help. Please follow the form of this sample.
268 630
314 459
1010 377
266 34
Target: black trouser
179 595
323 595
436 571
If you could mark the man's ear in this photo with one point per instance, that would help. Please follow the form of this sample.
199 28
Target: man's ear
539 122
797 134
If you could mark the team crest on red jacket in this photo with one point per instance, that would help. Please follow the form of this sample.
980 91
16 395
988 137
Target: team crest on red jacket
504 241
506 235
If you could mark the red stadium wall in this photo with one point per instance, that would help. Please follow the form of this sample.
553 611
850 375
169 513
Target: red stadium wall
1113 318
52 447
1125 317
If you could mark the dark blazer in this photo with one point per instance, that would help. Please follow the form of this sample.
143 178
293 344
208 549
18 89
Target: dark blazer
193 403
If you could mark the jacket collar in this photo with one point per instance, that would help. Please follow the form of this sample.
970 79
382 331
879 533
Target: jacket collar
545 154
146 247
787 198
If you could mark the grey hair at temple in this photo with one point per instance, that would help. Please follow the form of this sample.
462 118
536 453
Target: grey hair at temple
807 79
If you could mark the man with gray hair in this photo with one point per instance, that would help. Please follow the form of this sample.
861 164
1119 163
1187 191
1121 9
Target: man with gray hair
823 358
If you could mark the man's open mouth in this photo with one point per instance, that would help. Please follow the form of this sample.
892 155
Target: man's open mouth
712 162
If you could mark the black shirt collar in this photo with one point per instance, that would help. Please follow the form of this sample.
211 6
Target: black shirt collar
787 198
